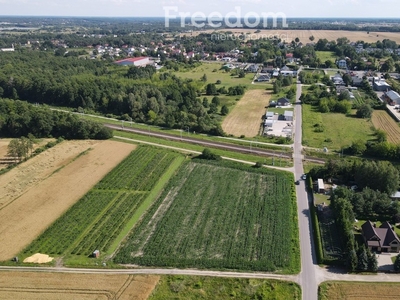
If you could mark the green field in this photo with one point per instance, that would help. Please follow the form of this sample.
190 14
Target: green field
339 130
196 287
221 215
96 220
326 55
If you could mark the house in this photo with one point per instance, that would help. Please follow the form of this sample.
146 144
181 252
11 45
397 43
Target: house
134 61
381 85
337 79
283 102
289 58
342 64
382 239
320 186
252 68
263 77
268 69
392 97
285 68
288 115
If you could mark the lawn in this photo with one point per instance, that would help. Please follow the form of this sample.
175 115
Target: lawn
339 130
196 287
115 203
219 215
326 55
338 290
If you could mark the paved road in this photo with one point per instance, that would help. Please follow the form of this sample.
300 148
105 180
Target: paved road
308 280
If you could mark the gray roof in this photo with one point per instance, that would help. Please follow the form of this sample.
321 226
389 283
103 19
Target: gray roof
392 95
288 113
269 114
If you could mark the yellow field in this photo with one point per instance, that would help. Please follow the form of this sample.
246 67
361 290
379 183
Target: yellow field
246 116
64 286
34 194
382 120
303 35
359 291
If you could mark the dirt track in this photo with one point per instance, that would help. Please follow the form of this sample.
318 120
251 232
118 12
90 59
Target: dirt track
36 193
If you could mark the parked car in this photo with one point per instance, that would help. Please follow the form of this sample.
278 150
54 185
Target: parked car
304 176
297 182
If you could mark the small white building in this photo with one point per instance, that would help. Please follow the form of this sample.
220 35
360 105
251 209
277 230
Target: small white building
288 115
320 185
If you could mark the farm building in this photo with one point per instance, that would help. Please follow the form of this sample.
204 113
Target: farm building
283 102
134 61
392 97
288 115
382 239
320 186
269 123
381 86
269 115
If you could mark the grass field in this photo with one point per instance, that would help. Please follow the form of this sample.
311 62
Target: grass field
219 215
193 287
342 130
303 35
64 286
37 192
326 55
382 120
338 290
246 117
97 219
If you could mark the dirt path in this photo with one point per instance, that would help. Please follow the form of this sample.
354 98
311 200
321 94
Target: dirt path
246 117
40 191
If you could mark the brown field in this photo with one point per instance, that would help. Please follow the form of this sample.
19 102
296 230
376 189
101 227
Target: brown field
359 291
303 35
382 120
245 118
65 286
37 192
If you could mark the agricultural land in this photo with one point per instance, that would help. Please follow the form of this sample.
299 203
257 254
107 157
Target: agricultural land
335 290
99 220
382 120
196 287
219 215
66 286
245 118
338 131
44 187
304 35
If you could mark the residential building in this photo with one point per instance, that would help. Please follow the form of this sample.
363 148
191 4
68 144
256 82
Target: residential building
342 64
380 239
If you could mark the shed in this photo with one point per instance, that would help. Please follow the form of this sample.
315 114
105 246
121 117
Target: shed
269 123
96 253
321 185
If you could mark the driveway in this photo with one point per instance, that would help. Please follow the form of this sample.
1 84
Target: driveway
385 261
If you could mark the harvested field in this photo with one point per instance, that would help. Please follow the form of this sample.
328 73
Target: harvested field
303 35
37 192
29 285
245 118
359 290
382 120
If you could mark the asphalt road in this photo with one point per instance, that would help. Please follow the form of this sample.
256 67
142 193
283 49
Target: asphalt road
307 280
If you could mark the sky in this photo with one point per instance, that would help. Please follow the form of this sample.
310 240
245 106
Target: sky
159 8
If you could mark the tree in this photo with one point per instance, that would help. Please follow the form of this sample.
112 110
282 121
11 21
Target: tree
351 261
364 111
207 154
358 147
211 89
372 261
204 78
277 86
381 135
224 110
397 263
297 40
362 257
215 100
312 38
205 102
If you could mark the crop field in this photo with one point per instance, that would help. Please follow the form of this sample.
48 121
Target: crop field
338 131
339 290
304 35
96 220
219 215
382 120
37 192
66 286
198 287
246 117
